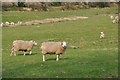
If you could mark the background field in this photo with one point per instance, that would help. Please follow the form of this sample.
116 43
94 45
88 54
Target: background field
94 58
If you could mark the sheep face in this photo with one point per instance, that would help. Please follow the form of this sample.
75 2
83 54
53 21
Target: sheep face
34 42
64 44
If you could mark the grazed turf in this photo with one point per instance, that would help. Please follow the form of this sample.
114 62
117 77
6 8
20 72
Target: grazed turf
94 58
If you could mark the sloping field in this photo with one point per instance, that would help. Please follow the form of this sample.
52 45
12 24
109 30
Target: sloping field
95 57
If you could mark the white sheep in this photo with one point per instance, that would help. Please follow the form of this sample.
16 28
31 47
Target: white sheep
12 23
111 17
1 24
53 48
21 45
102 35
19 22
7 23
113 21
117 19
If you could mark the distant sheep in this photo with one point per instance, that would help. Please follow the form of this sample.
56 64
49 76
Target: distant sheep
7 23
113 21
1 24
102 35
21 45
111 17
12 23
53 48
116 19
19 22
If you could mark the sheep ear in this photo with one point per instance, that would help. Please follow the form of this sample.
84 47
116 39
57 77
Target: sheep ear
61 43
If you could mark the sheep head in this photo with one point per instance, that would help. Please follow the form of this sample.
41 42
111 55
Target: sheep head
34 42
64 44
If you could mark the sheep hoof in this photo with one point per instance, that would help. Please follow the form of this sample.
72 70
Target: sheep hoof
57 60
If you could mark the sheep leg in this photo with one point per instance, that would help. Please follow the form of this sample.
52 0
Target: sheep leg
43 57
14 53
57 57
24 53
30 52
11 53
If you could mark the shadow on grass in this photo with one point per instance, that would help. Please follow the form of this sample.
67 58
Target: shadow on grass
60 59
27 54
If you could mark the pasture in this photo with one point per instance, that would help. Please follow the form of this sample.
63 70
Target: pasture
95 57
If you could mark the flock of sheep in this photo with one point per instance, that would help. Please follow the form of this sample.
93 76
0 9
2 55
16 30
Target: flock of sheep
115 19
51 20
43 21
10 23
46 47
57 48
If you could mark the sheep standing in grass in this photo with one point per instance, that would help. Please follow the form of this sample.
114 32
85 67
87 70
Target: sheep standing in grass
1 24
7 23
21 45
19 22
12 23
53 48
113 21
102 35
117 19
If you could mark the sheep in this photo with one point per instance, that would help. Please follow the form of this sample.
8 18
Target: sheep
21 45
113 21
53 48
117 19
19 22
7 23
1 24
102 35
111 17
12 23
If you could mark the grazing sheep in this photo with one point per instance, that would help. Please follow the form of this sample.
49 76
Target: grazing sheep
117 19
21 45
12 23
102 35
1 24
7 23
53 48
19 22
113 21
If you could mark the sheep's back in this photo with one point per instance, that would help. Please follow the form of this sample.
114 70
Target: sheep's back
22 44
51 47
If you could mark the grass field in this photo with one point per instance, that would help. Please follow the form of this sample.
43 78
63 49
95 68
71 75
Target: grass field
95 58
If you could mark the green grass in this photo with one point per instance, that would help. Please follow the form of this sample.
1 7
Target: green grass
28 16
96 58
